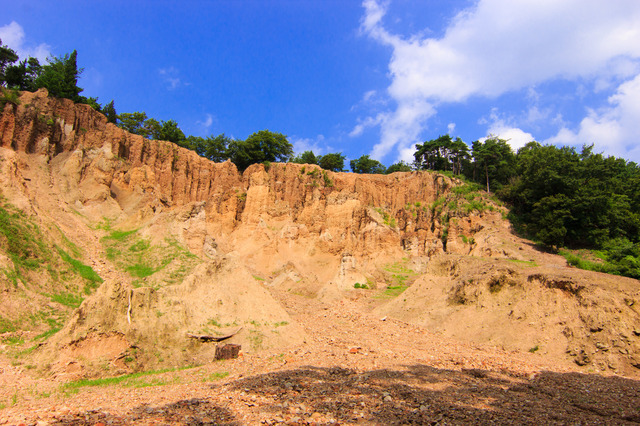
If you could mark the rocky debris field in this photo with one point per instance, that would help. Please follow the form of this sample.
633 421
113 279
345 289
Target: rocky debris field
354 368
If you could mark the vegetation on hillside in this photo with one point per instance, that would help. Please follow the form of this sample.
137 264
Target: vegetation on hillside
38 267
559 197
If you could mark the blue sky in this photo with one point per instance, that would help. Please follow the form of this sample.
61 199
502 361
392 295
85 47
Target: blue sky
371 77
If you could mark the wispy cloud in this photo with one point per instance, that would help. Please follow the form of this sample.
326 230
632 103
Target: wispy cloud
613 129
171 76
13 35
207 123
366 123
317 145
504 127
498 46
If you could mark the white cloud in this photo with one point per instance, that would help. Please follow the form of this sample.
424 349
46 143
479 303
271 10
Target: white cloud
171 77
403 127
451 127
498 46
368 95
514 136
534 114
208 122
13 35
367 123
316 145
613 129
504 128
372 99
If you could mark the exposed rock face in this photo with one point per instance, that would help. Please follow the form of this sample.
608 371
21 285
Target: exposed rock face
97 162
292 228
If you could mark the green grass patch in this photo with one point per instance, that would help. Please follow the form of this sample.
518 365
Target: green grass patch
582 261
387 218
12 340
6 325
399 275
21 239
466 188
81 269
11 96
218 375
135 380
523 262
120 235
468 240
142 260
476 205
47 334
67 299
25 352
140 270
394 291
214 322
75 250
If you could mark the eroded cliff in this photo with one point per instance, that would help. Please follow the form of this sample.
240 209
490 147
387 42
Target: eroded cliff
187 245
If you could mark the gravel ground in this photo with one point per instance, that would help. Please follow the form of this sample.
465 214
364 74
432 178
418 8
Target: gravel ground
354 369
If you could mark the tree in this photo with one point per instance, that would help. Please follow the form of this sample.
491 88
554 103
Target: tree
60 77
150 129
307 157
168 131
109 111
442 154
333 162
91 101
133 122
260 147
459 155
566 198
23 75
365 164
7 57
495 159
398 167
213 148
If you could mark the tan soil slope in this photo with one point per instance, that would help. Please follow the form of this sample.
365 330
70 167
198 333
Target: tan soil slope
294 229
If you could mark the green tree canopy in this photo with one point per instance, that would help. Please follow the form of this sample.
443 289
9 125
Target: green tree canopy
564 198
133 122
399 167
365 164
215 148
443 153
260 147
495 160
168 131
333 162
109 110
307 157
60 77
7 57
23 75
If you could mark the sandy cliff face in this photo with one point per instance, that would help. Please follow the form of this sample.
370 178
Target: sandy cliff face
96 162
187 245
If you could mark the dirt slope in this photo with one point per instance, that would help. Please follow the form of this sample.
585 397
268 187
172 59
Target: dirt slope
353 369
133 244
